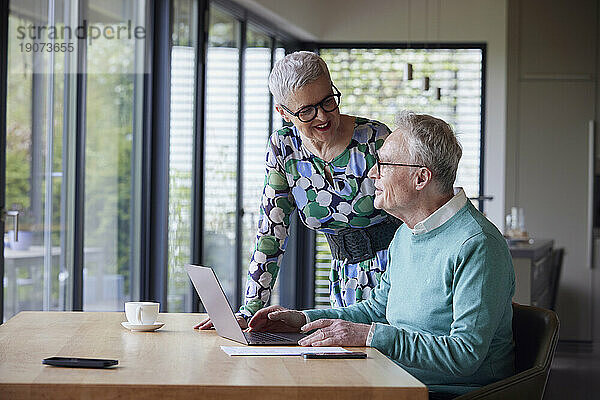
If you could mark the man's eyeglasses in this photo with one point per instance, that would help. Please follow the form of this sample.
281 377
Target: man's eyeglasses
308 113
380 163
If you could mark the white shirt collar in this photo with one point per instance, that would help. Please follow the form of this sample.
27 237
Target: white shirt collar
442 214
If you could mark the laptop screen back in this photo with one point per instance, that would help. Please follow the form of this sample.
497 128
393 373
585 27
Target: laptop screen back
216 304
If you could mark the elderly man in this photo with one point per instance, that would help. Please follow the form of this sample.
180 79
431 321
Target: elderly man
443 308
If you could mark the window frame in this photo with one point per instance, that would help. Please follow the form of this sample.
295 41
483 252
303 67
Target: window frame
4 11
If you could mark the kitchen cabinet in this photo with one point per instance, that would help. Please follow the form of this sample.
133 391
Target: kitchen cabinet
533 265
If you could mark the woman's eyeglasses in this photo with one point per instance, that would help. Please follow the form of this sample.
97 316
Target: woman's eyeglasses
380 163
308 113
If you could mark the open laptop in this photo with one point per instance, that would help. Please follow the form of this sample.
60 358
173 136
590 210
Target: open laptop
211 293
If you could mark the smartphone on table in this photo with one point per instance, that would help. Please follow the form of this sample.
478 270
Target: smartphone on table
77 362
335 355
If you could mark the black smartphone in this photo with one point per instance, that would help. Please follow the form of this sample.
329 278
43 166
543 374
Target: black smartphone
75 362
338 355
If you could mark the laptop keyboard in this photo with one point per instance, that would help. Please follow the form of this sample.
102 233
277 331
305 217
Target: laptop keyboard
264 337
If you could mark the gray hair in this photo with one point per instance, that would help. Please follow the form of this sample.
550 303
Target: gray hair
431 142
294 71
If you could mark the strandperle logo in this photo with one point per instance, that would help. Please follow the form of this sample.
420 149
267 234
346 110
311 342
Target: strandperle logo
90 32
118 47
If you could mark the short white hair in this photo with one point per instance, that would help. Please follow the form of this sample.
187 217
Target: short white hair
431 142
294 71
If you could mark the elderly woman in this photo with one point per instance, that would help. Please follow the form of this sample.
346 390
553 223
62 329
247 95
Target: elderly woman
319 166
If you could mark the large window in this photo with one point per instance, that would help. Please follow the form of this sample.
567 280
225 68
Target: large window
31 278
72 133
181 150
373 86
110 135
109 151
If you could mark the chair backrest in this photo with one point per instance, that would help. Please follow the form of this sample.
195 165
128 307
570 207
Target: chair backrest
535 333
557 261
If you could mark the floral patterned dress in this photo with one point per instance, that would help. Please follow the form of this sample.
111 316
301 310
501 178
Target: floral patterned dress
296 179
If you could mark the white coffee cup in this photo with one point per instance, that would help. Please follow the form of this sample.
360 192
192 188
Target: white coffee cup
141 312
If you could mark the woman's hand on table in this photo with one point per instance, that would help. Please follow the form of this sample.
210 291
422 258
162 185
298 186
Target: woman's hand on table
207 323
277 319
335 332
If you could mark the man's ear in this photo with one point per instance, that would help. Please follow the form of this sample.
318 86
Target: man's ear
422 178
282 112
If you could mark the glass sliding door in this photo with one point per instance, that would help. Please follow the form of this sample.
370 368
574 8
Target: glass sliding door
183 85
22 267
221 148
75 151
35 275
111 134
64 92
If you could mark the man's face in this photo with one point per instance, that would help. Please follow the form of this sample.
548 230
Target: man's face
394 187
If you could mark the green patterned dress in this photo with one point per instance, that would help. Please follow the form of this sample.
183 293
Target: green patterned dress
296 179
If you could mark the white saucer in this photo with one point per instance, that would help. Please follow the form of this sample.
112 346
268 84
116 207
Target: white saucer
142 328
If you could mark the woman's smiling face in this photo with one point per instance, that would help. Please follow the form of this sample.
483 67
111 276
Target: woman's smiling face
325 125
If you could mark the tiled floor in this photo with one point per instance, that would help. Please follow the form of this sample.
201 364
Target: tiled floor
574 375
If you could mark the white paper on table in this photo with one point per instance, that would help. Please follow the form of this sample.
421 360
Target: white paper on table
277 351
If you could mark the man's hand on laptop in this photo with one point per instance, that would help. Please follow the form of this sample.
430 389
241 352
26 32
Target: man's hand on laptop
277 319
207 324
335 332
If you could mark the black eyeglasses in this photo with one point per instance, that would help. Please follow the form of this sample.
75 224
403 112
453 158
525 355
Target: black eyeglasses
379 164
308 113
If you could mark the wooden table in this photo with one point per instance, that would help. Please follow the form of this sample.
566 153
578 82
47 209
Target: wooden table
176 362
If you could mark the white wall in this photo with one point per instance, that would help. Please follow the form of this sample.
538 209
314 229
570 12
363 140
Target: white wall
466 21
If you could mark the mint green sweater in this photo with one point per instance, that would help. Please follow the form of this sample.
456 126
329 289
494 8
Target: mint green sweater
443 308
